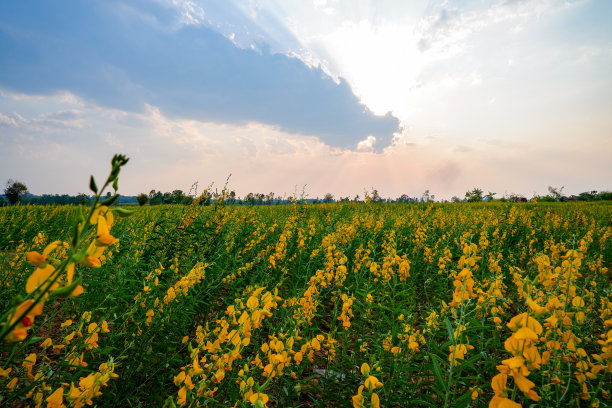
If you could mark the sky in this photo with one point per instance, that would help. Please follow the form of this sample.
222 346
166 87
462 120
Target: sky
308 97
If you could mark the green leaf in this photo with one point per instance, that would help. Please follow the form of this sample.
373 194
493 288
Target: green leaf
92 185
80 214
33 340
110 200
75 235
463 401
449 329
420 402
65 291
123 212
438 373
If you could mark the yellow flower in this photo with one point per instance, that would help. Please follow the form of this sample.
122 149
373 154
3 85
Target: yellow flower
535 308
4 373
103 236
459 352
11 384
38 277
524 320
525 333
21 329
28 363
578 302
365 369
56 400
90 260
523 383
179 379
252 302
70 273
36 258
150 314
219 376
375 400
371 383
259 397
532 357
498 383
40 260
102 211
182 395
501 402
358 400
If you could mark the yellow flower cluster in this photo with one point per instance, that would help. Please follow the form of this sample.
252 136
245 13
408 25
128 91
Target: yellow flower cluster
566 306
370 384
222 346
347 311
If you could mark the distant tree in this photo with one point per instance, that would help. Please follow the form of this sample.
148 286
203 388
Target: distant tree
425 197
269 198
156 197
231 198
405 198
604 195
588 196
187 200
142 199
167 198
177 197
250 199
517 198
82 199
376 196
328 198
455 199
546 199
489 196
14 191
556 193
474 195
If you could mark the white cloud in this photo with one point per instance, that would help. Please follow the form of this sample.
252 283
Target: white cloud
168 153
367 144
448 29
7 120
191 13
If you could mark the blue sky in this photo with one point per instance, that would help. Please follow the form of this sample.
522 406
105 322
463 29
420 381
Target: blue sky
509 96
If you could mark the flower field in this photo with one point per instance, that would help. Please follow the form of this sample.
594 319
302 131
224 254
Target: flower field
327 305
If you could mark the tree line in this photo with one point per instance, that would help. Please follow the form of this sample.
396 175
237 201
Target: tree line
17 192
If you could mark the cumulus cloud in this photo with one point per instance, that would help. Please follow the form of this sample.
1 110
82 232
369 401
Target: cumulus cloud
127 60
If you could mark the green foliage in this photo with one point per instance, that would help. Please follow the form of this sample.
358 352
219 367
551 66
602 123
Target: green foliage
287 248
142 199
15 191
475 195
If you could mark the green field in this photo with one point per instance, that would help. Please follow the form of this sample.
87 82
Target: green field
326 305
